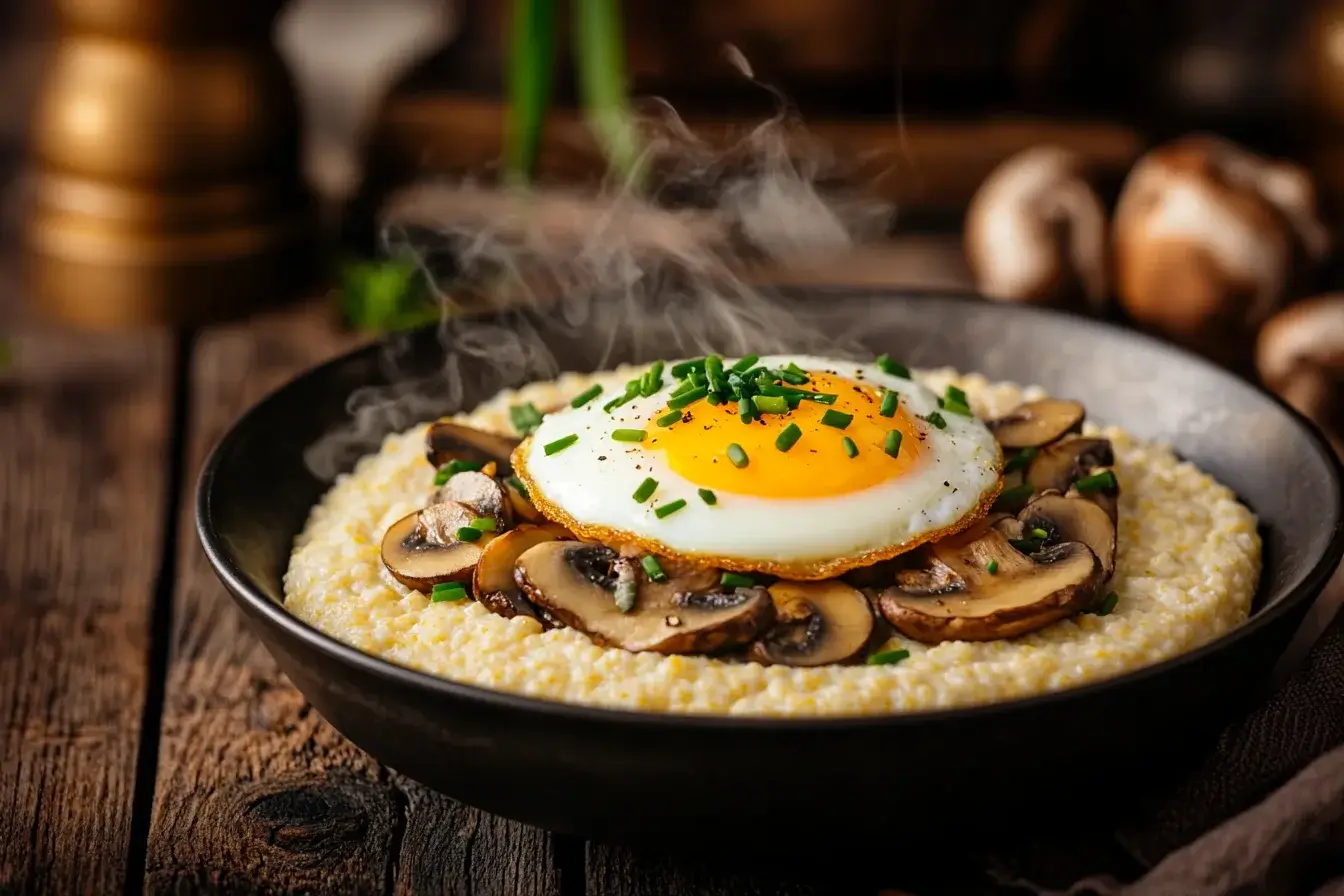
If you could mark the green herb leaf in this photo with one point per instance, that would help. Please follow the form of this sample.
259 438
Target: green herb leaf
653 569
586 395
670 508
467 533
669 418
736 580
890 400
599 54
1021 460
559 444
628 435
836 419
788 437
707 496
851 449
888 657
886 365
525 418
737 455
645 490
1107 605
892 444
1104 481
1011 500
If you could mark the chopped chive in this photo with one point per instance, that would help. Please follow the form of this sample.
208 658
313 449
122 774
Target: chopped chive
795 379
736 580
628 435
626 593
746 363
652 380
1040 533
715 398
888 657
1025 545
892 444
796 370
772 404
789 437
685 367
956 395
850 448
448 591
890 400
631 391
746 409
560 444
518 484
1021 460
646 488
1012 499
586 396
1097 482
958 408
836 419
653 568
453 467
669 418
886 365
670 508
794 401
484 523
687 398
698 377
714 373
936 419
992 567
1107 605
820 397
683 387
442 476
707 496
737 455
467 533
525 418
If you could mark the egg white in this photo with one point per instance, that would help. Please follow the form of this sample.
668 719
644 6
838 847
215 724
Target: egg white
588 486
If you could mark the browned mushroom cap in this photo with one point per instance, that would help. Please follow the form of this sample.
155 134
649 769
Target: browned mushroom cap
1057 467
1073 519
1300 356
479 492
522 505
422 554
1038 423
956 597
816 624
577 583
493 582
448 440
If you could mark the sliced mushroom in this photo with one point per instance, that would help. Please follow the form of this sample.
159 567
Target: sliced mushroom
1071 519
1038 423
576 582
1057 467
522 505
448 440
418 562
956 597
493 582
479 492
1108 499
816 624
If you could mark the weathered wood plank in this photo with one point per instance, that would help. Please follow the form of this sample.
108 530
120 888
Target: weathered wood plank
255 792
617 871
84 439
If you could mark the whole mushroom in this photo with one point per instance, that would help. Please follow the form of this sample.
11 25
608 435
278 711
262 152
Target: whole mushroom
1300 356
1210 239
1036 231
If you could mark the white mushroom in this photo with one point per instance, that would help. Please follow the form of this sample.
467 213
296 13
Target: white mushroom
1210 239
1300 356
1036 231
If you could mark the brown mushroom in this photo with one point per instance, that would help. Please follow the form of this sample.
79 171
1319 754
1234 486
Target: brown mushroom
421 550
816 624
1056 467
957 597
1037 423
1210 239
1300 356
493 582
479 492
1036 231
1071 519
522 505
448 440
578 584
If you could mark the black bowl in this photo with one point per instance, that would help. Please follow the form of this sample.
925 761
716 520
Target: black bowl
699 780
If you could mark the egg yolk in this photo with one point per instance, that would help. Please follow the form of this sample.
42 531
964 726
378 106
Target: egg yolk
817 464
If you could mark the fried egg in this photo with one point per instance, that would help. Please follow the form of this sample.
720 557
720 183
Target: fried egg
839 497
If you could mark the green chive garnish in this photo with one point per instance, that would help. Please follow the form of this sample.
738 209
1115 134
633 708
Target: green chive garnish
714 373
707 496
957 407
518 484
772 404
890 400
1097 482
736 580
892 444
448 591
631 391
836 419
626 593
1040 533
653 568
746 363
1025 545
646 488
525 418
936 419
850 448
1012 499
453 467
789 437
737 455
886 365
793 379
685 367
1107 605
888 657
652 380
669 418
559 444
1021 460
687 398
484 524
956 395
670 508
628 435
796 370
746 409
992 567
467 533
586 396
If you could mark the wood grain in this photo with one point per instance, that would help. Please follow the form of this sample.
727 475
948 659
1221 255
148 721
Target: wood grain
255 792
84 434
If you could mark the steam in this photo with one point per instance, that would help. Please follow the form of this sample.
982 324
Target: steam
587 279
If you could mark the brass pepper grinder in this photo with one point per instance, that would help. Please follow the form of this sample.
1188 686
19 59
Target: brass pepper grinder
165 165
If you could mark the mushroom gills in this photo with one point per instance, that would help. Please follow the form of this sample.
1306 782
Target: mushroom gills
816 624
419 563
446 440
575 582
1038 423
1065 519
493 581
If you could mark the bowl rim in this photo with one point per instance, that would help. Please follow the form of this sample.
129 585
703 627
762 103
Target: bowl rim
255 603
